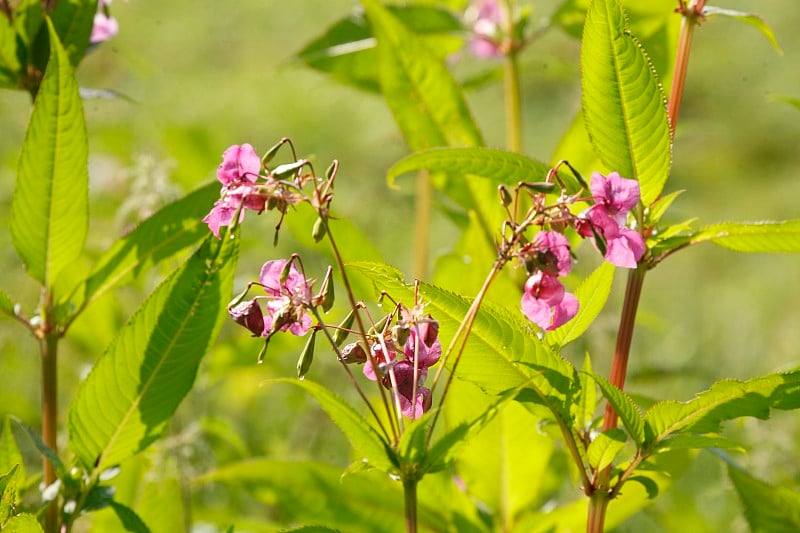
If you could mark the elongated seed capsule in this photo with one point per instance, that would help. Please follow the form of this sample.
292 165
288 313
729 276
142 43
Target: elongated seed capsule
306 356
344 328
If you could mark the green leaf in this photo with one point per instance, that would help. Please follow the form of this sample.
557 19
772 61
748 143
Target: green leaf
43 448
347 49
758 237
586 405
362 436
28 19
605 447
503 352
23 523
50 204
683 441
660 206
136 385
317 493
498 166
626 409
768 508
623 104
725 400
426 102
592 295
9 63
8 492
6 305
129 519
749 18
174 227
73 20
10 455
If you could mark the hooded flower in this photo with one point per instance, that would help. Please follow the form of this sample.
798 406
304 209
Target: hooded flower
546 303
548 252
404 374
286 310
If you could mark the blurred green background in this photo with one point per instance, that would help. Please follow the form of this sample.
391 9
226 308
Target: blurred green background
201 77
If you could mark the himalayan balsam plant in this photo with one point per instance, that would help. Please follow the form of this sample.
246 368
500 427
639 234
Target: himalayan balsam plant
436 372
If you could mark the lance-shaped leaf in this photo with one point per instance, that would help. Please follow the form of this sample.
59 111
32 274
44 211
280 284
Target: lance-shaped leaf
10 457
626 408
768 508
725 400
586 403
592 295
605 447
315 493
128 518
168 231
362 436
6 305
683 441
498 166
749 18
757 237
50 204
136 385
624 107
73 20
9 63
503 352
346 50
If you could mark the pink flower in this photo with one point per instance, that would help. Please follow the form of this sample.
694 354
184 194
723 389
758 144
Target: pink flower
617 195
404 375
381 358
104 28
238 174
287 308
624 247
249 315
548 252
428 354
546 303
486 16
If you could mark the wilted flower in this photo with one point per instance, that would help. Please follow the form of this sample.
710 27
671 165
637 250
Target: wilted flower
546 303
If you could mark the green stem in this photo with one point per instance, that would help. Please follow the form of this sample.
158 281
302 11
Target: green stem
410 494
422 222
49 350
511 86
598 503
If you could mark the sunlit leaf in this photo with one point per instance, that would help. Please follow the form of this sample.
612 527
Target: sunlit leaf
586 404
128 518
725 400
592 295
660 206
50 204
625 407
768 508
749 18
9 63
605 447
683 441
623 104
347 49
6 305
174 227
317 493
23 523
362 436
503 352
73 20
8 492
759 237
10 454
136 385
498 166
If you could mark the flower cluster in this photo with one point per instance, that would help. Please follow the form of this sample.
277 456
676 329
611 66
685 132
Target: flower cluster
416 340
244 187
288 297
545 301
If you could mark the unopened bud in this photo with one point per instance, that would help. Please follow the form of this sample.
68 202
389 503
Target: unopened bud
326 291
249 315
353 353
505 196
285 271
319 230
344 328
289 168
306 356
330 173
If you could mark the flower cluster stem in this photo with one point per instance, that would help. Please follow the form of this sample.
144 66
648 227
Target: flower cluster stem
410 494
598 503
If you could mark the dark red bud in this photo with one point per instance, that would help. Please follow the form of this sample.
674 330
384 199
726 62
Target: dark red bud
248 314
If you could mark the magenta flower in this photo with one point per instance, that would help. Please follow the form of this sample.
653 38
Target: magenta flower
617 195
549 252
428 354
546 303
624 247
249 315
238 174
286 310
404 375
103 29
381 358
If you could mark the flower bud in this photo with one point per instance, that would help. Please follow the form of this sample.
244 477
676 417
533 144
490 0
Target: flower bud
306 356
353 353
505 196
289 168
319 230
249 315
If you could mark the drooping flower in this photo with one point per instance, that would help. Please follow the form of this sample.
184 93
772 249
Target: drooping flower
426 354
287 309
404 375
548 252
624 246
249 315
546 303
240 163
381 357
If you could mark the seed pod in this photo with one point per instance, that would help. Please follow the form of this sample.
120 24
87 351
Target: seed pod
319 230
287 268
539 186
353 353
289 168
505 196
342 333
271 152
326 291
378 327
239 298
306 356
